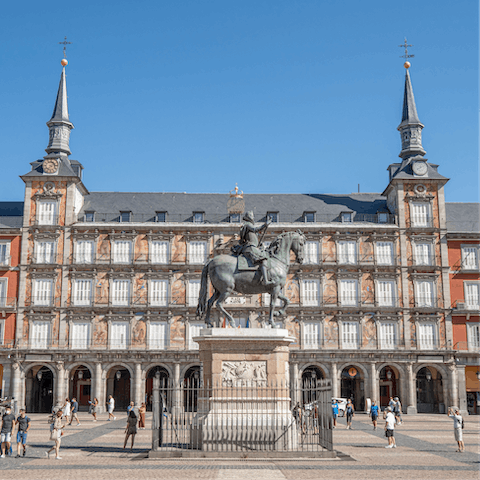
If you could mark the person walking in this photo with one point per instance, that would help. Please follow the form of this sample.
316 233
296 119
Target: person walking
93 408
374 414
56 435
398 411
111 408
141 414
8 422
67 409
23 423
457 428
350 412
335 413
390 428
131 407
74 414
131 428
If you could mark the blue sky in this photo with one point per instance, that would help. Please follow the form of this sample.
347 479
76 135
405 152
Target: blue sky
279 96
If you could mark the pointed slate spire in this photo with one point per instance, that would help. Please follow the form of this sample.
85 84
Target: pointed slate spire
410 128
59 125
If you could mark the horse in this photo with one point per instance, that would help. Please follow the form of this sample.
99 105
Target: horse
226 278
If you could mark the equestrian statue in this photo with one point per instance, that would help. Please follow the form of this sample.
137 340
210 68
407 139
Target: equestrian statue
251 269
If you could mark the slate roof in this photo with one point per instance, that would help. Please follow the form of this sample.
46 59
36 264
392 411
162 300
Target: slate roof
406 171
11 214
64 168
463 217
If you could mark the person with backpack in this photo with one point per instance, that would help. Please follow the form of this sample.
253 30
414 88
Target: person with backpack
457 427
350 413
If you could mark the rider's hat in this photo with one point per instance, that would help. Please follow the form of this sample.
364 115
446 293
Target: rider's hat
249 216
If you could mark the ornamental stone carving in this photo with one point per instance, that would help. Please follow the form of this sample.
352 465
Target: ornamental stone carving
240 374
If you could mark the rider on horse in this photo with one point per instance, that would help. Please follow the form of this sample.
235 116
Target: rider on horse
249 244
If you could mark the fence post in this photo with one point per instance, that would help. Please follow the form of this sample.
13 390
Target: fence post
156 413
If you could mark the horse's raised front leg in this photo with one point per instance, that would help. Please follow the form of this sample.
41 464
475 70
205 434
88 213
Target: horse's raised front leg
285 301
219 304
211 301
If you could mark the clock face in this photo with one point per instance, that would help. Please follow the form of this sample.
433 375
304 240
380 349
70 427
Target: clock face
50 165
420 168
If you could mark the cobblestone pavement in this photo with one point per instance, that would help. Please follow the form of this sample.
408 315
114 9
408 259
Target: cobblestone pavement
426 450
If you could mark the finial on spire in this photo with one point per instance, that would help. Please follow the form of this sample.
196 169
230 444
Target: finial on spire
64 61
405 45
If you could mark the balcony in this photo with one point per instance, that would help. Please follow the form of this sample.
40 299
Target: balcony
5 262
46 220
140 259
420 224
8 303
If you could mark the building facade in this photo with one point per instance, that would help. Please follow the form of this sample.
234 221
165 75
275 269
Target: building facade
109 283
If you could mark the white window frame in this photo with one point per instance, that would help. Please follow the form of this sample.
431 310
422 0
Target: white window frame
350 345
2 332
312 340
428 249
82 258
3 291
42 256
113 300
422 345
45 339
119 345
343 282
198 217
195 259
380 257
240 321
82 343
420 298
5 260
192 298
416 218
310 302
152 290
382 302
82 302
473 336
312 258
153 343
156 257
37 301
49 218
467 263
346 257
122 257
468 304
192 332
389 341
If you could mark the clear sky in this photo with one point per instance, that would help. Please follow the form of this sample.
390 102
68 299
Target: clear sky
279 96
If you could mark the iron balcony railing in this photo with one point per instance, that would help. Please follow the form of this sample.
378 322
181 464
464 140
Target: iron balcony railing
140 259
46 220
8 303
5 261
423 261
351 301
420 223
208 218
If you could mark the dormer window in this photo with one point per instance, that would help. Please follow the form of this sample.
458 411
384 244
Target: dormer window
273 216
347 217
198 217
234 218
89 216
309 217
382 217
161 217
125 216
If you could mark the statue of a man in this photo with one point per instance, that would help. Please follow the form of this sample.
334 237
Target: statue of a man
249 243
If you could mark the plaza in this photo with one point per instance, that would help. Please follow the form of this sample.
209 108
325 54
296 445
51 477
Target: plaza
426 450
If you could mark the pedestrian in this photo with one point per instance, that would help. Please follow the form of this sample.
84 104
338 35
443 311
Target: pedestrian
315 419
56 435
8 422
391 403
111 408
374 414
23 423
390 428
67 409
74 414
457 428
335 413
141 414
131 428
131 407
93 408
398 411
350 412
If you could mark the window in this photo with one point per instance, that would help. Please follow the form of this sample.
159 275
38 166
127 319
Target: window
159 252
46 252
193 291
273 216
3 292
346 217
47 213
80 335
125 216
311 252
310 293
5 253
472 296
384 253
161 217
469 257
235 218
309 217
42 292
423 254
89 216
347 252
386 293
426 335
82 292
350 334
424 293
158 292
198 217
311 335
387 335
194 331
266 297
120 292
240 322
39 335
119 335
420 214
382 217
473 335
348 293
84 251
122 251
197 252
157 335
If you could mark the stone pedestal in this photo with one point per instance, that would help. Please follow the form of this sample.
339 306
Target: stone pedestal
245 402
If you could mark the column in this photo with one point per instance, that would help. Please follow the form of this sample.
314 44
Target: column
294 382
60 384
412 390
177 397
335 389
374 393
99 393
139 385
16 390
462 390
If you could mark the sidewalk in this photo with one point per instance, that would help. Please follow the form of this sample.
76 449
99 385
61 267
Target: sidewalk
426 450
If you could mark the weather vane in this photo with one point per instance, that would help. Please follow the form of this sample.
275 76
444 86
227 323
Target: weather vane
65 43
405 45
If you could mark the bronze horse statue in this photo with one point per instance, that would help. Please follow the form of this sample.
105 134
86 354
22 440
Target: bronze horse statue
226 278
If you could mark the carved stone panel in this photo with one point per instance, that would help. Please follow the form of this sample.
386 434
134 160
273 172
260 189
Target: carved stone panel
239 374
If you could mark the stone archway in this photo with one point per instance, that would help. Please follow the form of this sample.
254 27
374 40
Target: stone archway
430 390
165 384
353 386
80 385
40 384
118 382
191 383
389 384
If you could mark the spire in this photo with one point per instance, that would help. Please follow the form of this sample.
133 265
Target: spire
410 127
59 125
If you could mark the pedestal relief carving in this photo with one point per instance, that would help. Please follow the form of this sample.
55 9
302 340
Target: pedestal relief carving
237 374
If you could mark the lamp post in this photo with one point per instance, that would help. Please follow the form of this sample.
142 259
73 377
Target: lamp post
80 374
389 374
39 375
118 375
428 375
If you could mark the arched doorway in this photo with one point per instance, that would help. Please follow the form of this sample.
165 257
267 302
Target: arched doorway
310 375
353 386
430 391
164 384
118 385
191 383
39 390
389 385
80 386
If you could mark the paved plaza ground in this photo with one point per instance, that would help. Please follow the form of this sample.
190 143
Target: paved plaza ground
426 450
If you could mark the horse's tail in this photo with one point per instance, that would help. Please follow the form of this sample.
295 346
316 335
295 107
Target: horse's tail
202 297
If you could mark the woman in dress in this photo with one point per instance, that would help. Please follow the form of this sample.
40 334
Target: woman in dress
131 428
56 435
67 410
94 408
350 412
141 420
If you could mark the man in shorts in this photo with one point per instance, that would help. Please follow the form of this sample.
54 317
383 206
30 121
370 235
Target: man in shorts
111 408
8 422
23 423
390 428
457 427
335 413
74 411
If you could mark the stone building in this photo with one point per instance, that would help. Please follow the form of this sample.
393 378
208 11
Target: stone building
109 282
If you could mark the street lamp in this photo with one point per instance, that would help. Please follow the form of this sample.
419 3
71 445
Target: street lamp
80 374
428 375
118 375
389 374
39 375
